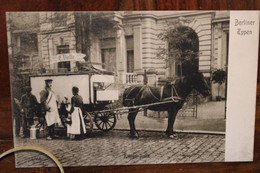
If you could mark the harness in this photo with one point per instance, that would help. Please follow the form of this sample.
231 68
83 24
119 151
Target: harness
173 98
176 98
132 100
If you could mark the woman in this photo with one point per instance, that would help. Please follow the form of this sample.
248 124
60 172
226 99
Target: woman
77 126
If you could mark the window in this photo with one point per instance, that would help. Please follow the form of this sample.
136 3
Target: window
108 59
63 49
108 53
64 66
130 53
130 61
27 42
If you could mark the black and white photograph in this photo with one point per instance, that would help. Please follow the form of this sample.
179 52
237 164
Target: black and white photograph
121 87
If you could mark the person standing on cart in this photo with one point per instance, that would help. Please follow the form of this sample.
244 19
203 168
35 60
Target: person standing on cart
77 126
49 103
29 105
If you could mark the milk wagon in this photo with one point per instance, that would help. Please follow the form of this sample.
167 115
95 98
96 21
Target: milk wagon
96 86
98 90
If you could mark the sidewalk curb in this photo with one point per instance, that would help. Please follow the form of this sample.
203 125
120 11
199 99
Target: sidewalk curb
201 132
183 131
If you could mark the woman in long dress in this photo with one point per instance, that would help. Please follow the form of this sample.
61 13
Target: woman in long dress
77 126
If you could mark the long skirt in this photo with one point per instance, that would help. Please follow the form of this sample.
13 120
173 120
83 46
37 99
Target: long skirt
77 123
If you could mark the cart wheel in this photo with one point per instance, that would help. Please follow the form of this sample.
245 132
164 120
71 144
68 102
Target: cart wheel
105 121
88 123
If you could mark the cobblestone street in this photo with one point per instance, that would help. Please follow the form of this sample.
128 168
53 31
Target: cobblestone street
116 148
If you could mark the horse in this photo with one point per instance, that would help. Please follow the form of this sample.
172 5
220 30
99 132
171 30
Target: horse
176 92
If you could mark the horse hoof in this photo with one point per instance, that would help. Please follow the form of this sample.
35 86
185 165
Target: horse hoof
135 136
172 136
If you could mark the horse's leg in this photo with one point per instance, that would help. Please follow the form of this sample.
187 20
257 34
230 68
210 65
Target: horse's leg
131 119
171 119
134 116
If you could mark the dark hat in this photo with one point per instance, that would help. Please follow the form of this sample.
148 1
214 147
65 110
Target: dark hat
48 80
28 88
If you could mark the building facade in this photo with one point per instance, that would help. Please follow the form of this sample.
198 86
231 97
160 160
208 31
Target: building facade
130 46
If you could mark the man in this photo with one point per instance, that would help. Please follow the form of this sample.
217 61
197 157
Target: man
29 106
48 101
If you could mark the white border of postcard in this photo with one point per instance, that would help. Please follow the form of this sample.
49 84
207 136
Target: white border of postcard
242 85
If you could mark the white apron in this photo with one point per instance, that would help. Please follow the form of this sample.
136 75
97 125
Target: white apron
52 116
76 121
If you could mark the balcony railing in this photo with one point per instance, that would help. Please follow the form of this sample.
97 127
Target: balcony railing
131 78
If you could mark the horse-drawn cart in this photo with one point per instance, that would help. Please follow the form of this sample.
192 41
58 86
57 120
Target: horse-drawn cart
97 91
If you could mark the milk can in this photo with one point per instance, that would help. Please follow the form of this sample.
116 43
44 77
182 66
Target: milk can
41 132
33 131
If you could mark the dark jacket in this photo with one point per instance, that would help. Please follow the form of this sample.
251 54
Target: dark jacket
76 101
29 104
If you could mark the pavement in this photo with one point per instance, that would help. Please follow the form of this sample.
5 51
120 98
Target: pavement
204 142
210 119
117 148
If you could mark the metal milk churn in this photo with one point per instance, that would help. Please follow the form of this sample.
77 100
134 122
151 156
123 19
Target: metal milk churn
33 131
41 132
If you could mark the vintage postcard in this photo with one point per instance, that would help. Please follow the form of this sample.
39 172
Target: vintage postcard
133 87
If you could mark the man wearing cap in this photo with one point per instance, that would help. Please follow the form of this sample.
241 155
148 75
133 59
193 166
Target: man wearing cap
29 106
48 101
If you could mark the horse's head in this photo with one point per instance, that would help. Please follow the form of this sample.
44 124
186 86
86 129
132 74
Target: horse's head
199 83
194 81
